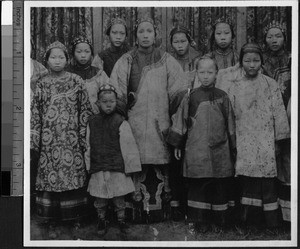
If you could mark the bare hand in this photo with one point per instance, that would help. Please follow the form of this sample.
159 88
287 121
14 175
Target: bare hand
177 154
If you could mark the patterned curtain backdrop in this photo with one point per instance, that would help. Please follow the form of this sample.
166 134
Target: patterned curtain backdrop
63 24
260 17
48 24
130 15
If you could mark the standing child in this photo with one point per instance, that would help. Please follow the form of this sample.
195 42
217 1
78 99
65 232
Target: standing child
181 42
275 56
111 155
204 122
184 52
59 113
221 44
277 64
117 32
261 123
82 52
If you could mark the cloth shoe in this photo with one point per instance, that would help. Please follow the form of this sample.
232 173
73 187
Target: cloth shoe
101 227
123 226
176 214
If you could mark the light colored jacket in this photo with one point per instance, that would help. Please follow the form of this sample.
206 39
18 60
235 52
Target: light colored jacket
159 86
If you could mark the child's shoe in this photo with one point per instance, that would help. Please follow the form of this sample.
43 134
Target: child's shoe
52 230
123 226
192 228
202 227
176 214
101 227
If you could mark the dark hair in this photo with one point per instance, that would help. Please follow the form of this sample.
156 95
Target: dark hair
212 37
108 30
251 48
137 26
180 29
205 57
49 51
265 38
74 48
105 92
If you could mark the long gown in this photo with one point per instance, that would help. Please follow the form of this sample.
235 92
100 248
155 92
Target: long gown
59 113
150 84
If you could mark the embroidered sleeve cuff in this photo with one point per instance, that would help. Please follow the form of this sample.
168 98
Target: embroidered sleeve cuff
175 139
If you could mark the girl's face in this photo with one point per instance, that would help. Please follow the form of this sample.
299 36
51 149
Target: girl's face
108 102
275 39
145 35
180 43
251 64
207 72
83 53
57 60
117 34
223 35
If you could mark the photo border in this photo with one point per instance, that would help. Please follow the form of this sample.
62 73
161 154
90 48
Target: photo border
294 125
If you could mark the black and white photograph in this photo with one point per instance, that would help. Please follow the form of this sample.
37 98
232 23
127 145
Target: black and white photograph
160 124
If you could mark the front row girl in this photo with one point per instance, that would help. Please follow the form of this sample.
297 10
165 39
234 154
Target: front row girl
205 118
261 124
59 113
111 155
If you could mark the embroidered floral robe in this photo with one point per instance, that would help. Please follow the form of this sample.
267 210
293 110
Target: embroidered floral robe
59 114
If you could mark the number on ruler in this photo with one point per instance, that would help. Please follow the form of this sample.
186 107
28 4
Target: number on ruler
18 108
18 164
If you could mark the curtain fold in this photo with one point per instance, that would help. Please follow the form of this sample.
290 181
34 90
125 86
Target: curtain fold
49 24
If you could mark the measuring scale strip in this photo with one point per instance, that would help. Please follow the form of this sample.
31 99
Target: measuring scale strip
18 99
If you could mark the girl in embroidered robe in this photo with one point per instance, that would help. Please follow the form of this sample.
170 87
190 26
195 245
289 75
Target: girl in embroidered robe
261 123
37 71
116 30
111 155
221 44
82 52
151 83
59 113
277 64
204 129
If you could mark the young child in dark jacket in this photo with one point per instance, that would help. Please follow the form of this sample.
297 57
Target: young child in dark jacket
204 128
111 155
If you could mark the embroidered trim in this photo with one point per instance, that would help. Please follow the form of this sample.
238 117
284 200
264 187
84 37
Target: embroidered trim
201 205
251 202
174 203
270 206
284 203
222 207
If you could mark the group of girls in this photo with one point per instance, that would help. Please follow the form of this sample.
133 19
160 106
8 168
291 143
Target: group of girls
155 133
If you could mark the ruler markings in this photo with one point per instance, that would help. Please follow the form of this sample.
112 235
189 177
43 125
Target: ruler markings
18 96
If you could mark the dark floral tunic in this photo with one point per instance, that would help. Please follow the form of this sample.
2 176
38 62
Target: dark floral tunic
59 114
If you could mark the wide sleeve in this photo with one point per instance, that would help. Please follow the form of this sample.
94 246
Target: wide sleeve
288 110
42 70
281 124
129 149
87 153
93 85
230 122
178 83
226 77
97 62
36 119
119 78
84 111
176 134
